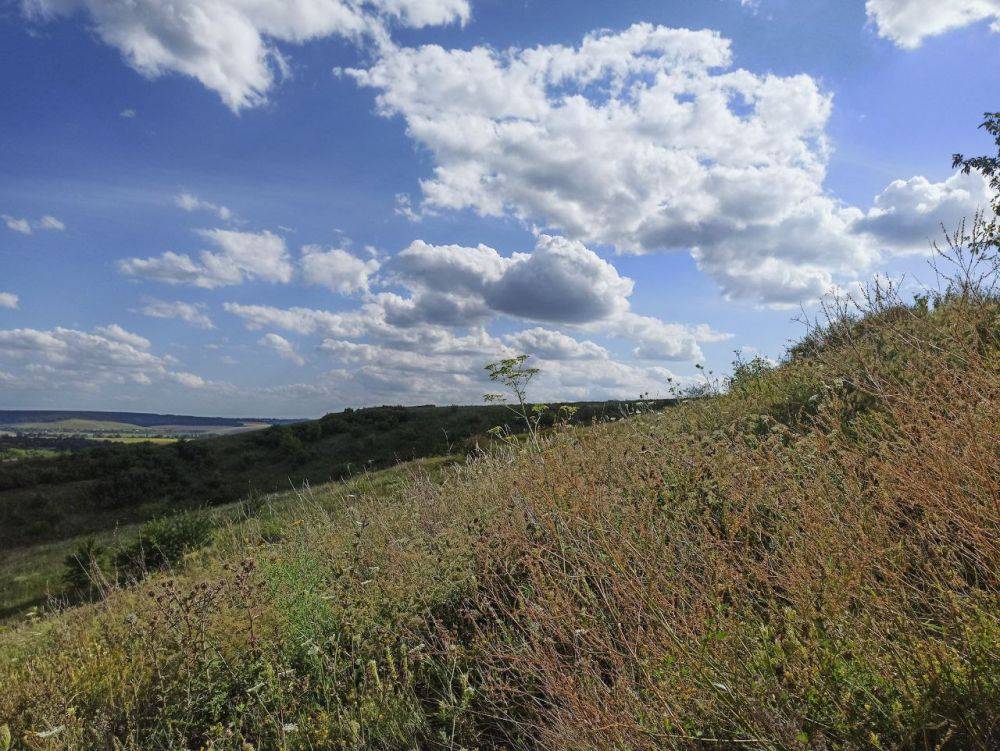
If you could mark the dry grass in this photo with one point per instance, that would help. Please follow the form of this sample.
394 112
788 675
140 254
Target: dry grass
809 561
727 578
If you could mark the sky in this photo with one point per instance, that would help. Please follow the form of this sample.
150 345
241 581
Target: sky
283 208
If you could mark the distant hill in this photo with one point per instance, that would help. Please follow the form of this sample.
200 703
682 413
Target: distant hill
140 419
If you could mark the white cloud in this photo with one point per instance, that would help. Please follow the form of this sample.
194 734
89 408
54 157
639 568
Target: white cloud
67 358
368 322
231 46
555 345
18 225
190 202
240 256
560 280
374 361
282 346
450 286
116 332
9 300
367 374
908 22
429 340
128 113
192 313
51 223
301 321
645 140
659 340
188 379
27 227
336 269
909 213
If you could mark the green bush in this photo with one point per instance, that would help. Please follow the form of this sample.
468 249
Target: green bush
163 542
84 569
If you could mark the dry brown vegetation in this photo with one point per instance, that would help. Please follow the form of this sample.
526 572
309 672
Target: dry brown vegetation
808 561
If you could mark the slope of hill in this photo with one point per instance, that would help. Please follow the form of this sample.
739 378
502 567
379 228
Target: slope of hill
809 561
50 504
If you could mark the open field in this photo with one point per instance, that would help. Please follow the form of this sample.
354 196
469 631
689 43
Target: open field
100 427
77 426
14 454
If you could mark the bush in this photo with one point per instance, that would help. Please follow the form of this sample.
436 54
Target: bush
85 569
163 542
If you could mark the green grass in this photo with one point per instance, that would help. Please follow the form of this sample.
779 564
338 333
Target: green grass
32 578
155 440
18 454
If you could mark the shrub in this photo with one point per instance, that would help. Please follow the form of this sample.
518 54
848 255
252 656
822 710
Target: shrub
85 569
163 542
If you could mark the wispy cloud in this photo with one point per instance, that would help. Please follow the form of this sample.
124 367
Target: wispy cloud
192 313
282 346
190 202
28 227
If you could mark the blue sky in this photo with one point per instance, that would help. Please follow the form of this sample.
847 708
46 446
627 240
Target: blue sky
235 208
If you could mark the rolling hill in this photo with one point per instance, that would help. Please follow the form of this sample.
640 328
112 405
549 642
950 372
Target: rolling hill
48 505
807 561
39 418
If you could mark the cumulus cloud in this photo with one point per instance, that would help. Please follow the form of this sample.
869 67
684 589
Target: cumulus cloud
9 300
239 257
63 357
282 346
908 22
450 286
660 340
231 46
559 280
336 269
375 361
192 313
117 333
190 202
28 227
555 345
908 213
427 339
646 140
371 374
368 322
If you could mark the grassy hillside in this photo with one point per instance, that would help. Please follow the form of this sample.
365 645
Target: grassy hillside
50 506
809 561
